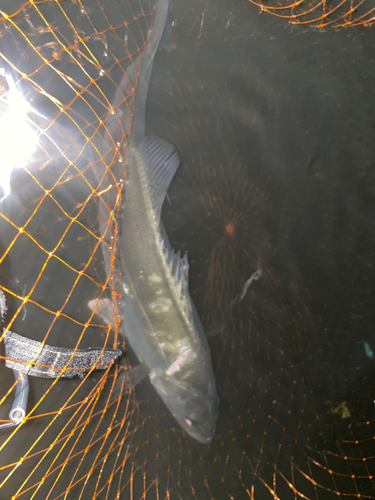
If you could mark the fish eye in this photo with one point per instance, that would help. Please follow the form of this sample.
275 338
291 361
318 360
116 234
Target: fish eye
190 422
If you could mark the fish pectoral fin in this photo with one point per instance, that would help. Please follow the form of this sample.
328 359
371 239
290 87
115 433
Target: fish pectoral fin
105 309
160 160
127 379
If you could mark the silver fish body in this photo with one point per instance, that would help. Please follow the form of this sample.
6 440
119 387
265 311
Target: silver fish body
159 318
157 313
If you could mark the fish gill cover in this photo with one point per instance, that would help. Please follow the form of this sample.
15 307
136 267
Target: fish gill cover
275 130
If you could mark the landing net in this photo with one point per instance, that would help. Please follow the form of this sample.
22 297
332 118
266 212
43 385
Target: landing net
65 121
322 13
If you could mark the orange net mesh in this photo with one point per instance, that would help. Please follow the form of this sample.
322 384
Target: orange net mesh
322 13
64 66
281 438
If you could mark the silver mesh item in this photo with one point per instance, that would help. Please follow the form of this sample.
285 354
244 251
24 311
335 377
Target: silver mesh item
48 361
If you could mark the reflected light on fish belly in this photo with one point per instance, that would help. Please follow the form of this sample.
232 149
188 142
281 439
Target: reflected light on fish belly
154 278
162 305
176 365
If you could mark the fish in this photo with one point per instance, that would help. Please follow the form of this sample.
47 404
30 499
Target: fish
157 313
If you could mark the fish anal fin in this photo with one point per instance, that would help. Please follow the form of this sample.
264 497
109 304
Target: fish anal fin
127 379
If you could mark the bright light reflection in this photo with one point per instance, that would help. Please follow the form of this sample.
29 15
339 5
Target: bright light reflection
18 140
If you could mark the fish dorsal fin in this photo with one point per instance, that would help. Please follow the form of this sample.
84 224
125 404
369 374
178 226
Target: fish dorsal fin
179 268
160 161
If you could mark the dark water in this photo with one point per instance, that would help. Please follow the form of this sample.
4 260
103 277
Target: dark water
274 125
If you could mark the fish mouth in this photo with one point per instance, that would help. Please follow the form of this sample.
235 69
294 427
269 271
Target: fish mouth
202 439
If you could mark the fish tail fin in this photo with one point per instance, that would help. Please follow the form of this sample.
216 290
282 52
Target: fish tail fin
139 120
